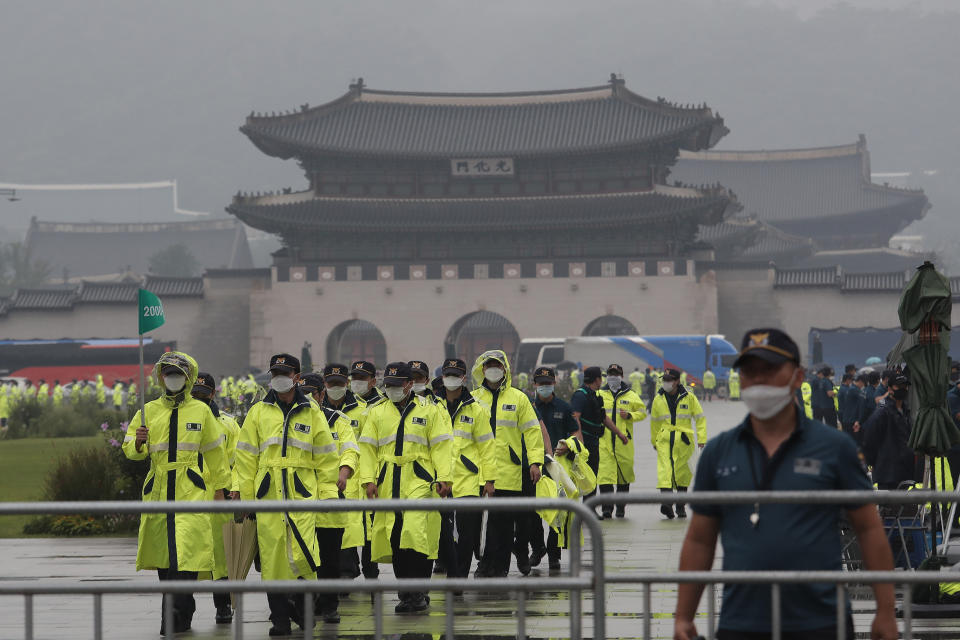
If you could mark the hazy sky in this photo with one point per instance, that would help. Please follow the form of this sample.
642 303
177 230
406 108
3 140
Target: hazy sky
127 90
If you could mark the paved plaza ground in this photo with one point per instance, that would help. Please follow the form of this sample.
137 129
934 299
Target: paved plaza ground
644 541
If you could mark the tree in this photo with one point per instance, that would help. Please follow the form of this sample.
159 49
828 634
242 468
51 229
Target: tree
176 260
17 270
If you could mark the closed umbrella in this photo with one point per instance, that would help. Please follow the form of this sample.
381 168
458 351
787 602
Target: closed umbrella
240 546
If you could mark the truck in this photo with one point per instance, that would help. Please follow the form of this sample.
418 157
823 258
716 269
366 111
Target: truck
689 353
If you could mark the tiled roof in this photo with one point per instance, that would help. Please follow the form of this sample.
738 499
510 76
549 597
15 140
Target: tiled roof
96 249
174 287
800 184
874 281
385 123
404 215
880 260
806 277
53 298
749 240
108 292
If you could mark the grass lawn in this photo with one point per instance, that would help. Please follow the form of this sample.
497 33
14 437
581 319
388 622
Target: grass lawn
23 469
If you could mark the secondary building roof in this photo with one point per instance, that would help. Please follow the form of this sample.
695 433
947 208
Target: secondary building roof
95 249
799 184
66 297
372 122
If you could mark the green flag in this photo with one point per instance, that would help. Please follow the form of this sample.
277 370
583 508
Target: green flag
150 310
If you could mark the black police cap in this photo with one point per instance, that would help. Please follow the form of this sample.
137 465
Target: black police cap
671 374
311 382
362 366
544 374
335 372
454 367
284 363
206 380
419 366
772 345
615 370
396 373
592 373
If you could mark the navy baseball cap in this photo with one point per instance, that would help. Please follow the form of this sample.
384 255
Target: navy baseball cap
771 345
419 366
311 382
334 372
362 366
454 367
396 373
544 374
284 363
671 374
206 381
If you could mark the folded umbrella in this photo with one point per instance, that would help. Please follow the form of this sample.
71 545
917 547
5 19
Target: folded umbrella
240 546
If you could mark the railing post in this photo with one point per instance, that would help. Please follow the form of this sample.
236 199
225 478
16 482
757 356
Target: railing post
711 610
448 615
238 617
28 616
573 543
841 612
168 613
307 615
907 612
378 615
97 616
647 614
522 615
775 610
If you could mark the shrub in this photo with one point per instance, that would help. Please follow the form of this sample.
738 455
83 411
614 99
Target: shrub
85 474
31 419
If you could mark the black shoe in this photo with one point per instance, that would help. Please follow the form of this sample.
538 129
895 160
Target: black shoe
331 617
224 614
482 572
667 510
403 606
555 565
419 603
681 511
537 557
280 630
607 515
523 566
621 511
439 567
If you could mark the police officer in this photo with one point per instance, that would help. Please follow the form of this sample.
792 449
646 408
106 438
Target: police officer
709 384
474 461
407 452
116 395
363 386
334 395
625 409
675 417
287 451
203 390
420 374
179 432
515 425
733 384
592 419
331 525
558 419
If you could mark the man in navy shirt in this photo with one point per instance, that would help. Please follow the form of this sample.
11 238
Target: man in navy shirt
777 448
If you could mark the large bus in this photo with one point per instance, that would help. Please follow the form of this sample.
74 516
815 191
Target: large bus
68 359
689 353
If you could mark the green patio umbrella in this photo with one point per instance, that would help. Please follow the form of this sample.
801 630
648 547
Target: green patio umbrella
924 311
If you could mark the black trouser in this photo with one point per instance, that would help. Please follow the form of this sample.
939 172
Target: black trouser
503 528
826 415
221 599
407 563
553 545
534 532
183 603
593 446
607 509
468 538
447 549
328 541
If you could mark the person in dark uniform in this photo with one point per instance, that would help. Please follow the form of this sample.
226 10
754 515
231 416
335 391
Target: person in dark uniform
777 448
885 440
557 416
587 408
822 399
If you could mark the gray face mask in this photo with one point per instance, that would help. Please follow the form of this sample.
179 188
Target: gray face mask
545 390
396 394
335 393
359 387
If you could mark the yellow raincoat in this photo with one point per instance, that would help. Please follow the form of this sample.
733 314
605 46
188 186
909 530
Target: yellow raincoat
672 435
179 460
404 454
474 462
575 465
280 457
616 458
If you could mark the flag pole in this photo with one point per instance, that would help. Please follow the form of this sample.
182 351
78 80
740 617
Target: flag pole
142 388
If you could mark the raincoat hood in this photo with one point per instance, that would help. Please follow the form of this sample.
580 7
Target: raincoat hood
494 354
186 364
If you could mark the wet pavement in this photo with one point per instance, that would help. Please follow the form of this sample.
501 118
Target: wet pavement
642 542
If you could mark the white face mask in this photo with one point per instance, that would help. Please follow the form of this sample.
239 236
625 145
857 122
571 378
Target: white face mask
174 382
419 387
359 387
493 374
452 382
764 401
668 385
614 382
545 390
396 394
281 384
335 393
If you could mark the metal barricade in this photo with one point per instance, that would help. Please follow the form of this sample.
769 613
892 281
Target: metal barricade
776 578
576 583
